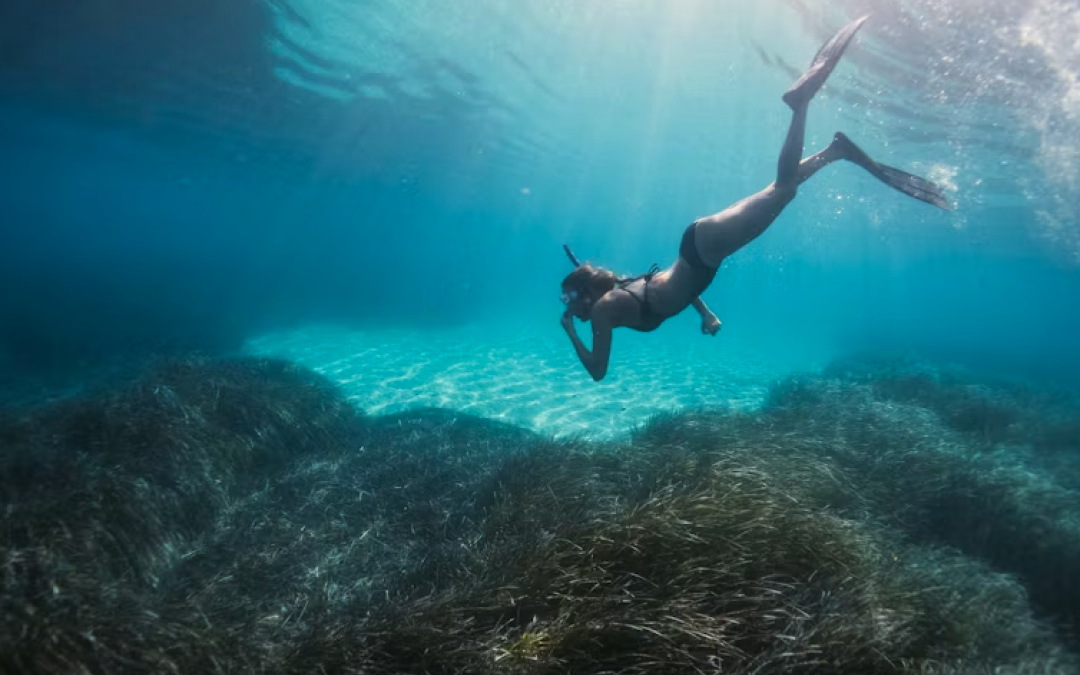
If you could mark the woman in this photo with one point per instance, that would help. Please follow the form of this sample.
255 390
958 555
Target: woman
643 303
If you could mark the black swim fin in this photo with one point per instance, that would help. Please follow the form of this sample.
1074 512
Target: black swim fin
800 93
912 185
898 179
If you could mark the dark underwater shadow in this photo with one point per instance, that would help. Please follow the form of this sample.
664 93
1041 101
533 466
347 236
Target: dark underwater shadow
184 96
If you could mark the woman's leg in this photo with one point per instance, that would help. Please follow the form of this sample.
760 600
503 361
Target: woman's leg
720 235
787 168
835 150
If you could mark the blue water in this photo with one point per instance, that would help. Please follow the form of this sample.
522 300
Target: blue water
873 468
190 175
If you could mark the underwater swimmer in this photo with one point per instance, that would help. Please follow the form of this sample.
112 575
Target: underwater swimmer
643 303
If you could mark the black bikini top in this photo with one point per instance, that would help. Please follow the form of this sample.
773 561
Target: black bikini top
650 319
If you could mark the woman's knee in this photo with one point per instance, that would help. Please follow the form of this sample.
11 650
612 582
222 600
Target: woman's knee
784 192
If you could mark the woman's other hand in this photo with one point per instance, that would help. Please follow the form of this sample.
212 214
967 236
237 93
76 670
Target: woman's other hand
710 325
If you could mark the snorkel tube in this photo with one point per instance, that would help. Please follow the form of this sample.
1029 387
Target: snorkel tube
570 254
569 297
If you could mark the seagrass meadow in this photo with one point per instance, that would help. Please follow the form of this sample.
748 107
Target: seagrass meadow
239 516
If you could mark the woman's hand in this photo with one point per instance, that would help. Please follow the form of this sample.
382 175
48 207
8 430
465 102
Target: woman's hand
567 321
710 325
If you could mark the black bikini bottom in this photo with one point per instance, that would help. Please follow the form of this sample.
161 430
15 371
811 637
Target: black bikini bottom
688 251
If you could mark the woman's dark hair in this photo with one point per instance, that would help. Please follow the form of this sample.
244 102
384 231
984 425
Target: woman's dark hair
590 281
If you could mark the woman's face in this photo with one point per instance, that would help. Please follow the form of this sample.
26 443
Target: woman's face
577 303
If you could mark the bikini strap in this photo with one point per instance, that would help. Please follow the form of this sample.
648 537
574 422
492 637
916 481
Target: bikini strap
653 271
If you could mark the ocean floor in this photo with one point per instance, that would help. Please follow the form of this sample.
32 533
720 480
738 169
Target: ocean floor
529 376
237 514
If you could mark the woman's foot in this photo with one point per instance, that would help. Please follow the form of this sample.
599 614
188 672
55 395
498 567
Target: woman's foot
846 149
822 66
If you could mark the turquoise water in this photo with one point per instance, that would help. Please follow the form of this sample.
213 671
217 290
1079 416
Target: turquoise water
195 176
283 387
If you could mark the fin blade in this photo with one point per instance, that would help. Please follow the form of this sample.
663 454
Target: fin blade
898 179
911 185
823 64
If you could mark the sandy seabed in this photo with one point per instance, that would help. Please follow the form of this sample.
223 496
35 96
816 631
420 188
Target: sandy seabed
530 377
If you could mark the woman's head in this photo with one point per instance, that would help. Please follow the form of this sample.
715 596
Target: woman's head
583 287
